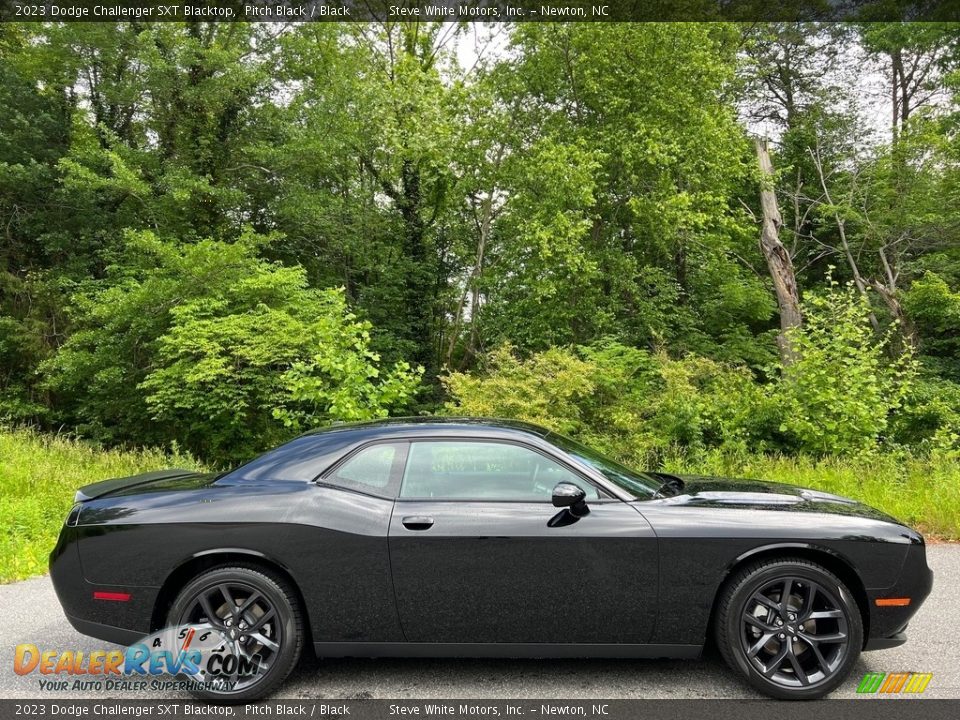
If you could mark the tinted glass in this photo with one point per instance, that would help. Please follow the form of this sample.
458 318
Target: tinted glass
370 469
634 482
303 459
484 471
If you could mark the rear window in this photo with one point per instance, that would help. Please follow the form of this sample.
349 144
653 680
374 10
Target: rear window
303 458
371 469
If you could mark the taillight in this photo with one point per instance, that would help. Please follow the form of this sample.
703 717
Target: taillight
74 517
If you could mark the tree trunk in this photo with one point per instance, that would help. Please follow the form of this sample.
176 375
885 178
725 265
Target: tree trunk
896 66
472 286
907 333
778 259
858 278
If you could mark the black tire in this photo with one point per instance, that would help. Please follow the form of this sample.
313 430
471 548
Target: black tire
279 611
800 650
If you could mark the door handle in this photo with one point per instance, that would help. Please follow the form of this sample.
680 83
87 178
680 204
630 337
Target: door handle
417 522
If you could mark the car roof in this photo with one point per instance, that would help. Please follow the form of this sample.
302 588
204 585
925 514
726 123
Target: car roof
303 457
426 425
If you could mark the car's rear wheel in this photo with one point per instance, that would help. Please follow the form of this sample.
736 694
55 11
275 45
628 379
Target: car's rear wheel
255 619
790 626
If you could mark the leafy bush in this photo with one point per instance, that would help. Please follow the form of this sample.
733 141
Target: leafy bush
837 398
549 389
935 311
839 394
30 321
631 403
217 349
929 419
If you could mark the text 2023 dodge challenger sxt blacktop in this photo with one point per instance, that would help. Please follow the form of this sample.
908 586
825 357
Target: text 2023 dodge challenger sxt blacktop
485 538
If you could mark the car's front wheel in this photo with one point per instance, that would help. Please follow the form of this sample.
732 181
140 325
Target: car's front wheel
251 622
790 626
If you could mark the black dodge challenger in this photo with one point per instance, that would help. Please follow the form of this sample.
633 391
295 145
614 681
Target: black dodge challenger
459 537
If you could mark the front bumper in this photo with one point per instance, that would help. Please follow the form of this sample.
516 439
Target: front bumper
887 625
895 640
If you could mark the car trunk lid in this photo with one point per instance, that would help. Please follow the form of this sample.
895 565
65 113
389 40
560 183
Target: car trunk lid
114 485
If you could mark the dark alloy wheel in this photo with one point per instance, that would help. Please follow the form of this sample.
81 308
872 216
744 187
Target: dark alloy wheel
256 619
790 626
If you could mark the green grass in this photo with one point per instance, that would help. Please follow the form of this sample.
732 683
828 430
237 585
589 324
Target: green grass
40 473
38 477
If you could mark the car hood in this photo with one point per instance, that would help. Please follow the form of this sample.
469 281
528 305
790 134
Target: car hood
158 481
701 491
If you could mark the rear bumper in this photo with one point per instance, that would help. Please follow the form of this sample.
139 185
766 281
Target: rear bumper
113 621
109 633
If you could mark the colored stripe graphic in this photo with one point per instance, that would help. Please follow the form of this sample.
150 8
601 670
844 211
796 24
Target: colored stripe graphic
918 683
871 682
893 683
889 682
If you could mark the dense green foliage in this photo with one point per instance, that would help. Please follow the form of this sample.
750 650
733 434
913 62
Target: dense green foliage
216 235
838 398
214 348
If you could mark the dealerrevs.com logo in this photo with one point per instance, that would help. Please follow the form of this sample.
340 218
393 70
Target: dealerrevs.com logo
202 656
878 683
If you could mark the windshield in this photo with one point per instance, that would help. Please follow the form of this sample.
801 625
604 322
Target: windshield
635 483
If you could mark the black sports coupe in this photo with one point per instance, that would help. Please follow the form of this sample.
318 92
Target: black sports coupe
464 537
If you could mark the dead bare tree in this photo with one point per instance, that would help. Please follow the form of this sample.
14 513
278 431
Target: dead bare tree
779 261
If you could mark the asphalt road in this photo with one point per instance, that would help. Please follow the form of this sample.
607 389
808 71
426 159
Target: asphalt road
31 613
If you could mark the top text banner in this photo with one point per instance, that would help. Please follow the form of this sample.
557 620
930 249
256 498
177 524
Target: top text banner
477 10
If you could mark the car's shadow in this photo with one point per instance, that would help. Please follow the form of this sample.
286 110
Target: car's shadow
363 678
435 678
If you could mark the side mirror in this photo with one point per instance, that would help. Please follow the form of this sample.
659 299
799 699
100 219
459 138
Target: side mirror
570 496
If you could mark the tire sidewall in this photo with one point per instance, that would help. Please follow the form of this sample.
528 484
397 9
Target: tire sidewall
275 594
763 576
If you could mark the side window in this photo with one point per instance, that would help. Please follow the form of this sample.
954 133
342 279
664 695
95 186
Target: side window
471 470
370 470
